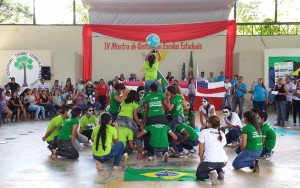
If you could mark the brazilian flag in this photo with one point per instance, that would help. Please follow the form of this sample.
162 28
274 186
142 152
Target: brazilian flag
159 175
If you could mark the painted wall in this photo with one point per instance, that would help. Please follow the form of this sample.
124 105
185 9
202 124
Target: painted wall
65 41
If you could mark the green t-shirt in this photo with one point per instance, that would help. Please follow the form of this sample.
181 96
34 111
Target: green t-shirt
141 106
270 136
57 122
188 117
66 131
159 135
125 135
177 109
111 133
193 134
155 104
114 105
87 121
151 72
127 109
254 140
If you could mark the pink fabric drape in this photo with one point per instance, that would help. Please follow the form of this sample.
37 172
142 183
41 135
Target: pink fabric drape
167 33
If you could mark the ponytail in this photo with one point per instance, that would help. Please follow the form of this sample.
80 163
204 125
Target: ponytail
252 118
220 138
105 118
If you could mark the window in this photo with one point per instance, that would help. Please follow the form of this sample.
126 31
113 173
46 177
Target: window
82 15
288 11
16 12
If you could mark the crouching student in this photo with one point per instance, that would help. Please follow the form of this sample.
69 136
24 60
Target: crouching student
159 142
106 144
231 121
211 152
87 123
187 138
268 136
67 136
251 146
54 129
126 136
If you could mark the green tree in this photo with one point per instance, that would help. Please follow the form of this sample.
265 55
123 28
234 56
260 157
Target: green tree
246 12
82 15
24 63
14 13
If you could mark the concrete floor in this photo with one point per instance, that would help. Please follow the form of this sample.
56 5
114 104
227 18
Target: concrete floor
25 162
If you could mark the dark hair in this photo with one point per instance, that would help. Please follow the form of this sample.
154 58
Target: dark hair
24 92
172 89
119 86
76 110
177 87
65 109
215 123
105 118
151 58
236 75
102 80
263 115
251 118
88 107
228 108
190 80
132 96
254 110
153 87
205 98
140 88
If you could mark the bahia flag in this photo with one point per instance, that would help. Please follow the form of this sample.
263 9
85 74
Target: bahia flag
183 72
191 66
214 89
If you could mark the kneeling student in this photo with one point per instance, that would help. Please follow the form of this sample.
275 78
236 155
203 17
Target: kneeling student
158 139
126 137
187 138
268 136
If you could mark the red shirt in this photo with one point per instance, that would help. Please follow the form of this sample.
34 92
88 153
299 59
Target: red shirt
101 89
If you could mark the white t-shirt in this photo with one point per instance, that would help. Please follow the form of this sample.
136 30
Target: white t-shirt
213 148
203 110
235 120
227 86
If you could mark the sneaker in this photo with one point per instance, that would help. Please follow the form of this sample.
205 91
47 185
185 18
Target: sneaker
192 152
256 166
221 175
213 177
269 156
125 157
166 157
150 158
181 154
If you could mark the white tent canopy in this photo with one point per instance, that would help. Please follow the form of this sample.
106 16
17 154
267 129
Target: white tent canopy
157 12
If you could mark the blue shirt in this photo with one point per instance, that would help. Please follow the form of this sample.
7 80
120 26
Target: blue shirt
239 92
259 93
233 81
220 78
271 96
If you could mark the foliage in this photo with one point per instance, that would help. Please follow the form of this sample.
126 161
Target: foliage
14 13
23 62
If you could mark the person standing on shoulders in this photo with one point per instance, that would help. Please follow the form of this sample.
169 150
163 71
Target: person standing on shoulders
151 67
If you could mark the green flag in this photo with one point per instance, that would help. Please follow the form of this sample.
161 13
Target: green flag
191 66
159 175
161 79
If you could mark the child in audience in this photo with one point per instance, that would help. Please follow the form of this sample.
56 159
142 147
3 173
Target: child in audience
187 138
106 144
159 142
87 123
268 136
54 129
211 152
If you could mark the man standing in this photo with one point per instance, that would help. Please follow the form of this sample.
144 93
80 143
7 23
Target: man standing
211 77
239 90
289 97
43 85
12 84
202 78
221 77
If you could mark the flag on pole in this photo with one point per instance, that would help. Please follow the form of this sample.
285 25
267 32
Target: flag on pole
191 66
161 79
214 89
183 72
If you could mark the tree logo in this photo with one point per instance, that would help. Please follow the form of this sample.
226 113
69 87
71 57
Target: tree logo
25 67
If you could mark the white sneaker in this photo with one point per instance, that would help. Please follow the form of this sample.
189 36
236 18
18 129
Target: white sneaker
125 157
213 176
181 155
166 157
192 152
150 158
269 156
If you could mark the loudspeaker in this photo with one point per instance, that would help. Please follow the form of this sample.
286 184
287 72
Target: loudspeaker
46 72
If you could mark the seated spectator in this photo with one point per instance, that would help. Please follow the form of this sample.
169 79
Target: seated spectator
202 77
69 101
55 86
30 102
17 106
18 91
122 78
7 88
135 78
36 95
80 100
131 78
12 84
89 88
7 96
6 112
170 78
79 85
68 87
45 102
56 100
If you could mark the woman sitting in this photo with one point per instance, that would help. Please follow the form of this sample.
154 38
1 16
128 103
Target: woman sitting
206 110
56 100
30 101
45 102
80 100
106 144
17 106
